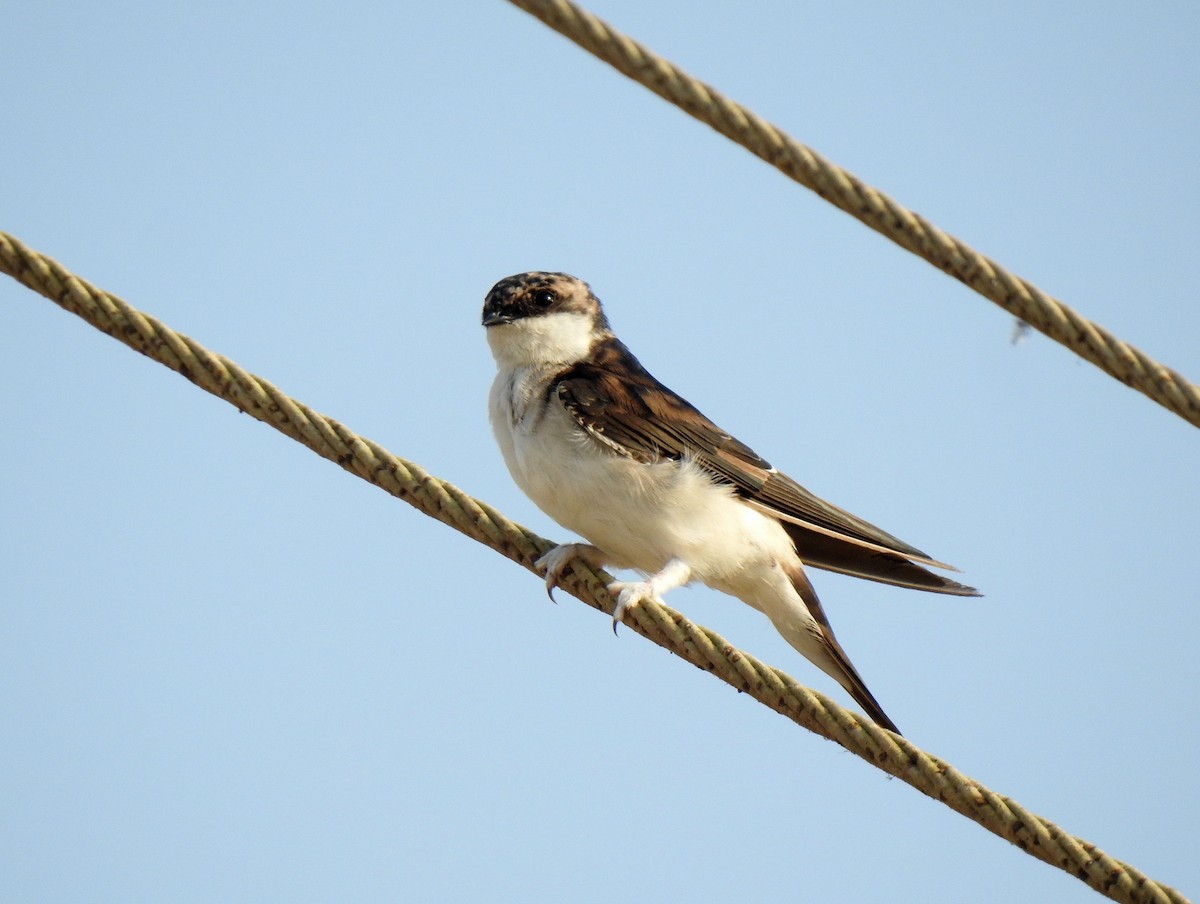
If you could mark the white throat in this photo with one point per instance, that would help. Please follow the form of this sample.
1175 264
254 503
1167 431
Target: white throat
559 338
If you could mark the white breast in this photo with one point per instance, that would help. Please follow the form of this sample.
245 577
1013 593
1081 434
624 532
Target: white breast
640 514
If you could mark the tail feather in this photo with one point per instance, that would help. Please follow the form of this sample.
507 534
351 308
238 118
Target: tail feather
818 643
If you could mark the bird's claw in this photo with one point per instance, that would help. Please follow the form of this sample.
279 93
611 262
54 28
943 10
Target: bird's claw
552 566
629 594
555 562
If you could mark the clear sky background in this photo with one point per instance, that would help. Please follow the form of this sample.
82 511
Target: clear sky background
229 671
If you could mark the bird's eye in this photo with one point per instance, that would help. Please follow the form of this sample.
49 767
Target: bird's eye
544 298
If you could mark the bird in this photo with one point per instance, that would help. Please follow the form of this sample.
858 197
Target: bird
655 487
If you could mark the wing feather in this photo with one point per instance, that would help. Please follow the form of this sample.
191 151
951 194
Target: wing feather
621 404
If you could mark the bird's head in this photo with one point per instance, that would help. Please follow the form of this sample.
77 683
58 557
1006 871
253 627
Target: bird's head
542 318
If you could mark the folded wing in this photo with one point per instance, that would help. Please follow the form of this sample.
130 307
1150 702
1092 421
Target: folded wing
622 405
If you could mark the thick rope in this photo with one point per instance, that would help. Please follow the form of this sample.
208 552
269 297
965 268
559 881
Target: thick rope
664 626
906 228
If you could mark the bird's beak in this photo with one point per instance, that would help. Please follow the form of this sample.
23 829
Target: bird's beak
495 319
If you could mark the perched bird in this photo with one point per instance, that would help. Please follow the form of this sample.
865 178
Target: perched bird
609 452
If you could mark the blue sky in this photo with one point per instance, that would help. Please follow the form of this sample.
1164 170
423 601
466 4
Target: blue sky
230 671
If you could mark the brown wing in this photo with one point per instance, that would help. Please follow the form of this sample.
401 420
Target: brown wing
621 404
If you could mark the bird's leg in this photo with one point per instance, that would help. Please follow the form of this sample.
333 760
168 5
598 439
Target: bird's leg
674 574
555 562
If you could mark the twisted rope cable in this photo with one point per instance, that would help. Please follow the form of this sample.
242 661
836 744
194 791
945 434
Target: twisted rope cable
664 626
841 188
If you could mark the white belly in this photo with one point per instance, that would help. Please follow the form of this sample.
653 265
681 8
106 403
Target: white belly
641 515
